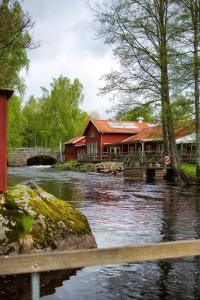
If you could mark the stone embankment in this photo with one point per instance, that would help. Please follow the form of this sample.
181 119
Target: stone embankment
32 220
115 168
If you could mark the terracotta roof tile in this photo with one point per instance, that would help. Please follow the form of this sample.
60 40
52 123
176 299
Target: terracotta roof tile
186 129
114 126
154 133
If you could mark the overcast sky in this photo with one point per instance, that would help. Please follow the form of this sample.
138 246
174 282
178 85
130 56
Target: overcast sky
65 30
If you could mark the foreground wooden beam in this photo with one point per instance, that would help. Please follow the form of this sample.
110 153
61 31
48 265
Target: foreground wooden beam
31 263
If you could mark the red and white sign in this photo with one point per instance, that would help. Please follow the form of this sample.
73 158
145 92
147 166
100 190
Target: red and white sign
167 160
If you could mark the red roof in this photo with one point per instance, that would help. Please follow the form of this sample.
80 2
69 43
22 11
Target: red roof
75 140
156 134
114 126
185 130
147 134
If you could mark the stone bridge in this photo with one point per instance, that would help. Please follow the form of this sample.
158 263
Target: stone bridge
32 156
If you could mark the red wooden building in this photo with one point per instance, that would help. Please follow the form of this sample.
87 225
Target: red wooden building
74 148
102 139
4 96
105 140
149 140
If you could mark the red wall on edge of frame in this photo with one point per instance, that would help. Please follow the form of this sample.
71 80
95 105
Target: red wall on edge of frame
3 142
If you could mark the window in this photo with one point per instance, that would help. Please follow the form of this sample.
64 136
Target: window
92 134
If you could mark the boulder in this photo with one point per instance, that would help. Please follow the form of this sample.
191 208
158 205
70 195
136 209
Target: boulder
32 220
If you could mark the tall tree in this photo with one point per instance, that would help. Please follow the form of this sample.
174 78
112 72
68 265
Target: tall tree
15 122
144 112
191 40
32 123
142 35
15 39
60 113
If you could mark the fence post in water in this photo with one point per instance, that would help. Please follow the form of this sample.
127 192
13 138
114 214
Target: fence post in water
35 286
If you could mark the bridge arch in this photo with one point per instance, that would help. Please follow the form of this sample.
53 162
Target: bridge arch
40 160
25 156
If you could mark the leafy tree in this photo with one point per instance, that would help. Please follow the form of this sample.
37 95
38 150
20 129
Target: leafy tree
31 132
15 39
59 113
15 122
144 112
183 108
142 35
191 67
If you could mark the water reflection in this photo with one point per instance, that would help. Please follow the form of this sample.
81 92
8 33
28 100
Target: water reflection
18 287
123 213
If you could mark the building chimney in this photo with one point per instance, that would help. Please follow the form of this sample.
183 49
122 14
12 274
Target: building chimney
4 96
140 119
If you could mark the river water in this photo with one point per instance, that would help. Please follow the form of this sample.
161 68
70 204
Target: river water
124 213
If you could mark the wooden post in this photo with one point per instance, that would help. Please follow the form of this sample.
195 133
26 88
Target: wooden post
4 96
142 142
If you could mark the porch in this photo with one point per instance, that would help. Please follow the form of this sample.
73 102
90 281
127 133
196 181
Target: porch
138 157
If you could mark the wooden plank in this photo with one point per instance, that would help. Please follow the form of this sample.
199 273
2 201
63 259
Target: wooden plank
84 258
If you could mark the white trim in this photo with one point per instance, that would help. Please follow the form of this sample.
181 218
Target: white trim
75 141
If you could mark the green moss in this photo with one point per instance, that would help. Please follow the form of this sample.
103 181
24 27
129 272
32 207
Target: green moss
19 224
34 212
26 224
189 170
60 211
69 165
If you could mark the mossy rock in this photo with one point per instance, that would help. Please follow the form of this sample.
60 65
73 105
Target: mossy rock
34 220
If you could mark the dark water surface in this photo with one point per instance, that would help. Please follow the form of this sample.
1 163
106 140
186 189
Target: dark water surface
123 213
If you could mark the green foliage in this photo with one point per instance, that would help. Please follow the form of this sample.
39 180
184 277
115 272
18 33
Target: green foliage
60 117
45 122
72 162
31 123
14 42
132 115
15 122
182 109
189 169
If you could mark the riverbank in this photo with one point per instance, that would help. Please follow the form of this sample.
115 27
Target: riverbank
115 168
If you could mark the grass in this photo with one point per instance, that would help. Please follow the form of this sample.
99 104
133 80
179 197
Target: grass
26 223
189 169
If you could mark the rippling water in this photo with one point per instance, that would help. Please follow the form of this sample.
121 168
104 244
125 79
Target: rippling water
124 213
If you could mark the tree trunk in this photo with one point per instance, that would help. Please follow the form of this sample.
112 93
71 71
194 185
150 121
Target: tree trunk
195 20
165 90
165 131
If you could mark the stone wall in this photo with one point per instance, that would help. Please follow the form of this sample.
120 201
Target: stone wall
19 158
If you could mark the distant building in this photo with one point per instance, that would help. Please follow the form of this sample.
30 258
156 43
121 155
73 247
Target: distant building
108 140
102 139
74 148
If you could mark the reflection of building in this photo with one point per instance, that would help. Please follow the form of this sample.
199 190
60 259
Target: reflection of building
112 140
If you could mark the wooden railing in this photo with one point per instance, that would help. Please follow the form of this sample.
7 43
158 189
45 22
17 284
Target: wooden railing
36 263
185 156
146 161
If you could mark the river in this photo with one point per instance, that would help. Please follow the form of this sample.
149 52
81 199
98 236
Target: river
124 213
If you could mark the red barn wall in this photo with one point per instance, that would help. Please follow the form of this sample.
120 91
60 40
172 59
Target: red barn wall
4 95
92 135
70 152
